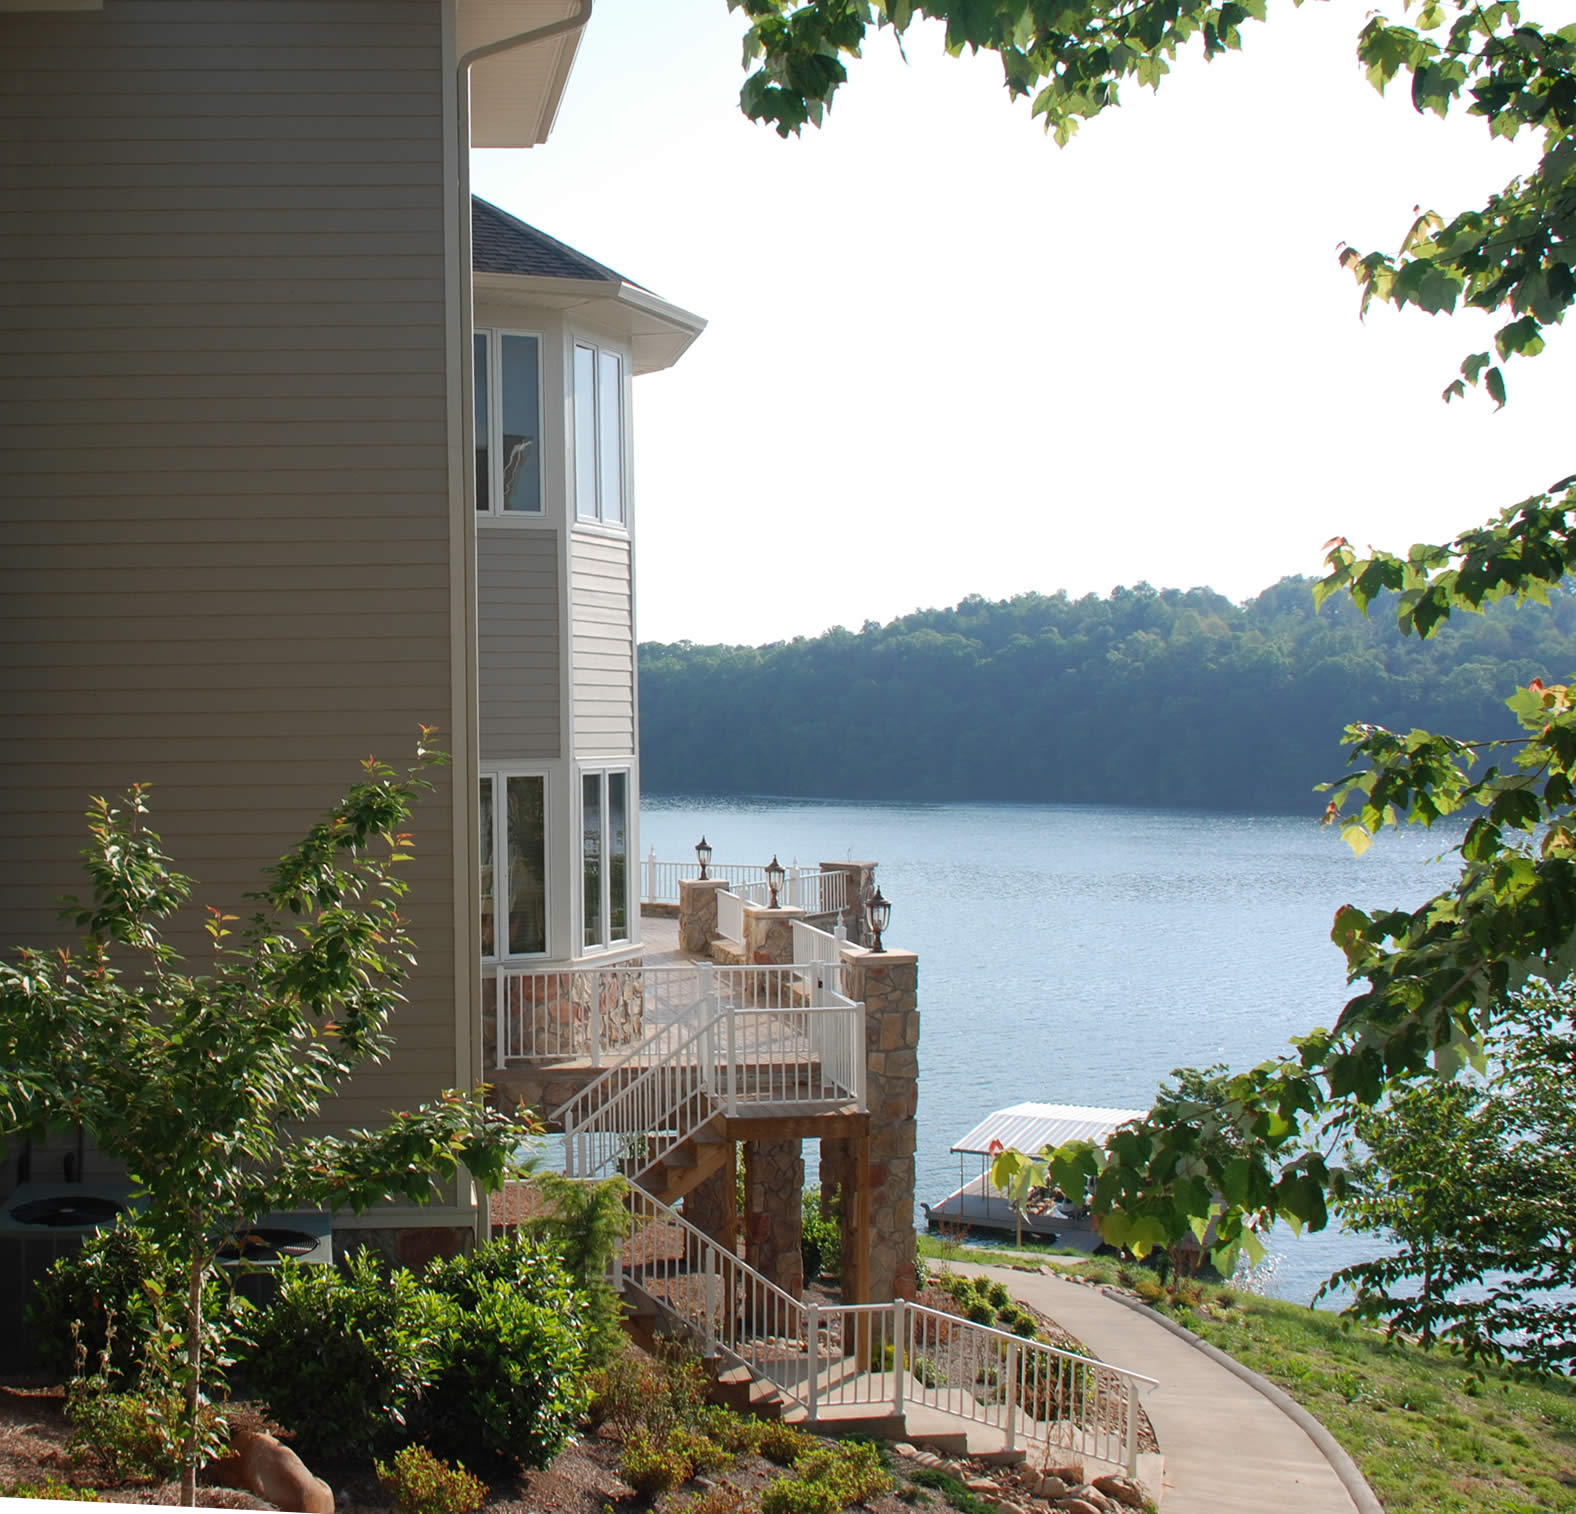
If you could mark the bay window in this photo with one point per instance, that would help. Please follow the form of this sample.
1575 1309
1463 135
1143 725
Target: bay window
514 864
599 435
605 872
508 423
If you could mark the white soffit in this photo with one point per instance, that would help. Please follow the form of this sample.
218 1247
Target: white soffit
515 94
1030 1127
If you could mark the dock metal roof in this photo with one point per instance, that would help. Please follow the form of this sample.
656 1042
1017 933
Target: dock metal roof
1028 1127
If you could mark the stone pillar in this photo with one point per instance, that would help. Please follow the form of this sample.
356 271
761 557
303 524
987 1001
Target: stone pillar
861 885
773 1214
888 985
698 914
712 1207
768 934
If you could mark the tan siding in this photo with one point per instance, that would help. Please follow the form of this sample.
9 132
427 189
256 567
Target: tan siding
604 651
224 542
519 654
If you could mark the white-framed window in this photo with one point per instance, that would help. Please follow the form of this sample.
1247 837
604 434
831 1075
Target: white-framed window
599 435
508 422
606 877
513 812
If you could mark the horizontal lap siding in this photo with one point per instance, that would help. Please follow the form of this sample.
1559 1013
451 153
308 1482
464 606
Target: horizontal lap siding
604 647
519 658
224 540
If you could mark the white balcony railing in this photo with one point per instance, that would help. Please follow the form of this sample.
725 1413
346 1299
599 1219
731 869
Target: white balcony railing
815 890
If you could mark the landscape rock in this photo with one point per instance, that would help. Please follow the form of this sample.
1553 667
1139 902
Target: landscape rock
259 1464
1071 1473
1052 1487
1122 1489
1078 1506
1091 1494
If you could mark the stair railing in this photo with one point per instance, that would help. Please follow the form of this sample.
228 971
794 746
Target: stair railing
834 1356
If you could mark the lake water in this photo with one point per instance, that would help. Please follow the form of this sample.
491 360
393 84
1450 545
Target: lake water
1077 954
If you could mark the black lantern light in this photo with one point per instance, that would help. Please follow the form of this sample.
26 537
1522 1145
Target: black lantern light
703 855
774 879
878 913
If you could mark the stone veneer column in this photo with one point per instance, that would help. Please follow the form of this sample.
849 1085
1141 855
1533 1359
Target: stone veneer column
861 885
698 914
768 934
888 985
773 1213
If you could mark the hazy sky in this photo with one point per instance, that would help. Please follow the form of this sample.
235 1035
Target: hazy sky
946 357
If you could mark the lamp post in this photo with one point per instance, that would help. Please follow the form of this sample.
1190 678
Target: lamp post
774 879
878 915
703 855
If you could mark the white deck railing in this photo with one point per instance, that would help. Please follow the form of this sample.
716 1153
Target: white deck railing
730 915
892 1355
812 889
608 1012
732 1058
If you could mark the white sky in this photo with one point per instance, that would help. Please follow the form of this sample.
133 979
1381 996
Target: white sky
946 357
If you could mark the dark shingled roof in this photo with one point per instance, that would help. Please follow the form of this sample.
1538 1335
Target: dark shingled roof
501 243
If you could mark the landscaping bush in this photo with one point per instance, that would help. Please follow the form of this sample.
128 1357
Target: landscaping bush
1025 1325
651 1465
722 1499
980 1313
996 1294
782 1443
821 1237
511 1382
51 1487
733 1432
421 1483
827 1479
342 1356
118 1274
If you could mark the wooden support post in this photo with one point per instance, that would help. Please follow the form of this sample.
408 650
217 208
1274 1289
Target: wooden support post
856 1204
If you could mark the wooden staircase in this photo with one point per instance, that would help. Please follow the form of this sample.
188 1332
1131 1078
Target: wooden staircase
701 1152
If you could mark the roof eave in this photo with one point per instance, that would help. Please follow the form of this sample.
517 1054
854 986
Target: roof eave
659 333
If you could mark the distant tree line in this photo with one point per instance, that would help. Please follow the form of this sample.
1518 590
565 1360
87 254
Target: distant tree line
1155 697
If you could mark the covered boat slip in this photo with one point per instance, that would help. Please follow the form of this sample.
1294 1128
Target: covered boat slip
978 1204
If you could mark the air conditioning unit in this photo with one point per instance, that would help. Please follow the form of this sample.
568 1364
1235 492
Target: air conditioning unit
304 1235
39 1223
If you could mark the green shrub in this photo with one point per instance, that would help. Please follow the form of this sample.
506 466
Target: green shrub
783 1444
511 1382
421 1483
118 1274
982 1285
722 1499
622 1390
827 1479
1008 1317
651 1465
980 1312
961 1288
820 1237
701 1452
342 1356
929 1372
1025 1325
921 1268
997 1295
51 1487
733 1432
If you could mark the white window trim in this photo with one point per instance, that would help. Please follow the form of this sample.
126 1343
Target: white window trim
495 514
499 775
596 523
611 943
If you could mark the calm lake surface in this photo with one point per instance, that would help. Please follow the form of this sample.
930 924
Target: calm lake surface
1077 954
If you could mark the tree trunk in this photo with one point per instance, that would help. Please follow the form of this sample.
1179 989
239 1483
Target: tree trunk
193 1380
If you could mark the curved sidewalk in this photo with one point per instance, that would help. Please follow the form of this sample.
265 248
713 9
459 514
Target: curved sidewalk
1227 1448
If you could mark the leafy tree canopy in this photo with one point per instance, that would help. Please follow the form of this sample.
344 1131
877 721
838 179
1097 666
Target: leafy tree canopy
1513 256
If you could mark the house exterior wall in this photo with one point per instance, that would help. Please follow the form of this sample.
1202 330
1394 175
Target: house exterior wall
226 546
520 653
603 631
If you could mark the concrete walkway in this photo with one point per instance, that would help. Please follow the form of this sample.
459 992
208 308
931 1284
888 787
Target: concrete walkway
1227 1448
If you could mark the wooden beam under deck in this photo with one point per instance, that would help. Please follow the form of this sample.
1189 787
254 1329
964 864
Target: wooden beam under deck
787 1122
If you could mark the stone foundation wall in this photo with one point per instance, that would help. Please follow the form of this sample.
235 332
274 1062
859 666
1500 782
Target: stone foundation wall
698 914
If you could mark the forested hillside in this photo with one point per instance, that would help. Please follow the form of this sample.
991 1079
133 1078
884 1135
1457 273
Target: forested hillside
1147 697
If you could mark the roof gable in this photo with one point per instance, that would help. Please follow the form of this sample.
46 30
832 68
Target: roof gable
502 243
